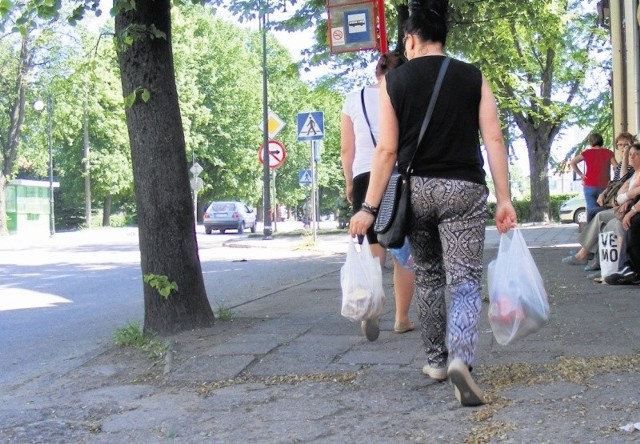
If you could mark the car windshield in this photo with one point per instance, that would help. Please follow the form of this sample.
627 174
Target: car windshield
223 207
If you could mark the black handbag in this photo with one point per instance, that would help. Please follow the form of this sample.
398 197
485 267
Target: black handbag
393 213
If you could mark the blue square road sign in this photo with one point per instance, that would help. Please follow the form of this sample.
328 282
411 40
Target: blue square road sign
311 126
304 177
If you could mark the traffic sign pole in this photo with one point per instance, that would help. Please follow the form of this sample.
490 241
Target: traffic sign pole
382 26
311 127
266 172
313 193
196 185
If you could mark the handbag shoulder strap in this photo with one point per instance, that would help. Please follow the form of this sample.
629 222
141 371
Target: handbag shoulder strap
366 117
432 104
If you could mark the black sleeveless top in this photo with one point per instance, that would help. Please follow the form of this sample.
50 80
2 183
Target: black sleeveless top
450 148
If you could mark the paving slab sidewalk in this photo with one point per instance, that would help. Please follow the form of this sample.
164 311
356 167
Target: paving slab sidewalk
289 368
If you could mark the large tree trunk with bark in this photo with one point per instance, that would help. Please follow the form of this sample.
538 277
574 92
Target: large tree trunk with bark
540 208
538 140
539 135
166 228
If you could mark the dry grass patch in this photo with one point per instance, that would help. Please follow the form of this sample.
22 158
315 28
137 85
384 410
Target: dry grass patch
207 388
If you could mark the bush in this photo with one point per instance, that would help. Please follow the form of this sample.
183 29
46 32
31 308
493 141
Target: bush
118 220
69 218
523 208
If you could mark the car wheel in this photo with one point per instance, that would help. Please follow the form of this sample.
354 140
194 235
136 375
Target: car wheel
241 228
208 230
580 216
253 227
222 231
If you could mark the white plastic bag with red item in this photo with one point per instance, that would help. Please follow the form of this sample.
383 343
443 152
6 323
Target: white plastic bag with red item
361 282
518 304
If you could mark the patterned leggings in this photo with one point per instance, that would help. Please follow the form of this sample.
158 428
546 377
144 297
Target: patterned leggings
447 229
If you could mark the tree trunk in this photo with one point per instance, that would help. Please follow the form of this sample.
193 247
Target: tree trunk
106 210
538 147
86 165
166 227
11 142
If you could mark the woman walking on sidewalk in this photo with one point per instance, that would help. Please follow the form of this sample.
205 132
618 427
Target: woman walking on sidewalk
358 135
448 189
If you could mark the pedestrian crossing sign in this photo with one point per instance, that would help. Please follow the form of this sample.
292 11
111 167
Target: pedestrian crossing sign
311 126
304 177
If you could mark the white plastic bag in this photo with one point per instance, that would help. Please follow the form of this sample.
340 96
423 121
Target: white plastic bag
608 252
518 303
361 282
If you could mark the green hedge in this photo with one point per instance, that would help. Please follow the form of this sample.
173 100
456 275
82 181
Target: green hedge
522 208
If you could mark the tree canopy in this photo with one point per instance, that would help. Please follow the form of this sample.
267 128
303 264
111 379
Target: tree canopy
547 61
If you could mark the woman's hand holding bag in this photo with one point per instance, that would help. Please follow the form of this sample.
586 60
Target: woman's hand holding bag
361 282
518 303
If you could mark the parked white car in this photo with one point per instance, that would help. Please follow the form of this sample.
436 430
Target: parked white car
574 210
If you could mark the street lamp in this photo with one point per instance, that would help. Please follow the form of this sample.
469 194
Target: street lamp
266 172
39 106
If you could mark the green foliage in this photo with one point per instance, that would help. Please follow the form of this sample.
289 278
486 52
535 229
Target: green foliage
134 32
144 94
120 6
221 109
118 220
132 336
523 207
161 284
81 77
541 54
224 313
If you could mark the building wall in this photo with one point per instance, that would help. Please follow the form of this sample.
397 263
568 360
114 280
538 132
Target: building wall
623 17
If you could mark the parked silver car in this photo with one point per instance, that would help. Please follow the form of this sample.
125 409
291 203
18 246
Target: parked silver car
229 215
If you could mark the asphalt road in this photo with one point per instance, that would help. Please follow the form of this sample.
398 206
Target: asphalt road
62 298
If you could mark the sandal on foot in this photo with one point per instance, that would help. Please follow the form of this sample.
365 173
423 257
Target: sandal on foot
400 327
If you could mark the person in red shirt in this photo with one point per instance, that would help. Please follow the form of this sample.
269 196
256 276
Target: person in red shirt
596 173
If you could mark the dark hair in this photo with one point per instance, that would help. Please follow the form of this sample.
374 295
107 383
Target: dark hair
387 62
595 139
428 20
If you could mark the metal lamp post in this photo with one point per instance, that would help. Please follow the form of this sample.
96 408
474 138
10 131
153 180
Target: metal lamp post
266 179
39 106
